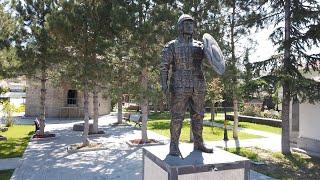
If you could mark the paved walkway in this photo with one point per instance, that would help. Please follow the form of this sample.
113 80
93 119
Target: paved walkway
271 141
10 163
50 160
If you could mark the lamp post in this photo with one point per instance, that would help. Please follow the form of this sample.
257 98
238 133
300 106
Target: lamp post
225 134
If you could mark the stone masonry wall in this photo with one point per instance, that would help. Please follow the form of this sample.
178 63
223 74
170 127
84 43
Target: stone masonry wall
56 102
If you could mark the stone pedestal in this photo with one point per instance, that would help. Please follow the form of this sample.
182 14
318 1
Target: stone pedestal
195 165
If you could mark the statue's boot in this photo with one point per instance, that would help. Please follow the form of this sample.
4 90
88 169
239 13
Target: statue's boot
197 127
175 131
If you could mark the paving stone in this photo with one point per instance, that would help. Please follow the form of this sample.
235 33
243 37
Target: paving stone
50 159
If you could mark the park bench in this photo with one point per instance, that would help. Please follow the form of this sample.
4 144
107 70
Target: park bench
36 125
136 118
126 116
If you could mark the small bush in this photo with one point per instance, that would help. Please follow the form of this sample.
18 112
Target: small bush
20 108
271 114
8 110
251 110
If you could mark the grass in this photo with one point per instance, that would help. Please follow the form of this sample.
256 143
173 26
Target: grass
209 133
18 138
259 127
279 166
6 174
219 118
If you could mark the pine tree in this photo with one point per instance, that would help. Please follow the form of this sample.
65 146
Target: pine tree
296 32
242 13
35 47
8 58
83 28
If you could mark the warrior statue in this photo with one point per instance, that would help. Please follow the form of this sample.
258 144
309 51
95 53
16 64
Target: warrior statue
187 87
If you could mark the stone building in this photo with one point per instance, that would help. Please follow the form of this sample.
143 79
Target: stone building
62 101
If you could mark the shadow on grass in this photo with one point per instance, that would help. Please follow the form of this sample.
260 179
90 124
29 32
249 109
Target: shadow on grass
159 116
13 147
244 152
163 116
6 174
279 166
159 125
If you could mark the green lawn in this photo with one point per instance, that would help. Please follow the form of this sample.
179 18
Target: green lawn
209 133
219 118
18 138
259 127
279 166
6 174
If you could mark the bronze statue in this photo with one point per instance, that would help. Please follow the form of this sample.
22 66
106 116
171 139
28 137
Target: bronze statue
187 87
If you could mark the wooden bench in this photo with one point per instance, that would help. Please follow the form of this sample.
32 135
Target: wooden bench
36 125
136 118
126 116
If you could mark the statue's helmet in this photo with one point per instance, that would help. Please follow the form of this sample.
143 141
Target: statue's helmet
182 18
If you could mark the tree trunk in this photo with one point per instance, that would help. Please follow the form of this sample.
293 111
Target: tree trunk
95 110
234 79
120 109
235 119
212 111
144 104
155 106
285 140
43 100
191 133
85 139
161 106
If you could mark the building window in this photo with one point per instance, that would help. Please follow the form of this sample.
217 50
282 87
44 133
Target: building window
72 97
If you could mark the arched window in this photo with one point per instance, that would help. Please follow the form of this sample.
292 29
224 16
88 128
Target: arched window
72 97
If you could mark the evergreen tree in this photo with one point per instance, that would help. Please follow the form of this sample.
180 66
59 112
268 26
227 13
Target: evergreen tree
35 47
237 22
143 52
296 32
8 30
82 28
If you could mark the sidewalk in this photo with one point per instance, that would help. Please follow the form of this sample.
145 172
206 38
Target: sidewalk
10 163
270 142
50 160
246 130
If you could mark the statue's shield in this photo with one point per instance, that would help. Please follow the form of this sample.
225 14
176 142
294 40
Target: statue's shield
213 53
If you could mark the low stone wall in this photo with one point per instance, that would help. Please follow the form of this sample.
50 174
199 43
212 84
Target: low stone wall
258 120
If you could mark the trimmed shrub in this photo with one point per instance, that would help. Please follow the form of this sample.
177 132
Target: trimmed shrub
251 110
8 110
20 108
271 114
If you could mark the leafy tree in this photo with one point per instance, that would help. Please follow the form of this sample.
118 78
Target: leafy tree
214 93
